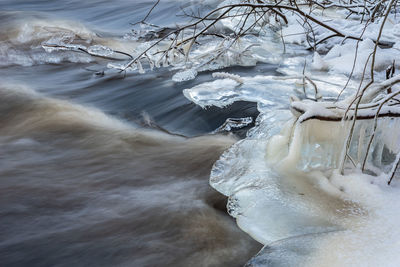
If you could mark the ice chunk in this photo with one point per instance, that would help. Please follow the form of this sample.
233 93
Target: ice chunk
223 92
234 123
185 75
100 50
229 172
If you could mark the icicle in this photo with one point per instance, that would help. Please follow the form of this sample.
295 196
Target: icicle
394 168
151 62
165 62
391 136
379 153
140 68
158 63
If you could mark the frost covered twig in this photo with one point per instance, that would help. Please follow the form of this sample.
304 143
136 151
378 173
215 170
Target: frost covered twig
104 52
335 114
318 97
224 75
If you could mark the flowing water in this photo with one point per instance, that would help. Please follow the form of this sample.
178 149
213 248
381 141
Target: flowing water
85 179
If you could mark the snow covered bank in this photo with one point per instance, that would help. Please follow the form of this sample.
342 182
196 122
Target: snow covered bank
284 181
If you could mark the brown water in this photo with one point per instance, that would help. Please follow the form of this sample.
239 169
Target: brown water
83 180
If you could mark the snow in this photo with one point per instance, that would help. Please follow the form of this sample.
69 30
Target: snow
341 57
337 55
312 109
373 241
294 33
318 63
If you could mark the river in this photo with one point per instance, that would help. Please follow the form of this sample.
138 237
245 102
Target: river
107 170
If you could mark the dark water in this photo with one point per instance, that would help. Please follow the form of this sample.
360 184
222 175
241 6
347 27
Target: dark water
83 180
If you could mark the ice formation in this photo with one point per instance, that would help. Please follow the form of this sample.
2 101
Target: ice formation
286 192
283 184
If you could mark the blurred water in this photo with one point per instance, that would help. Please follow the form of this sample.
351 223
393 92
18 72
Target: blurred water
83 180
